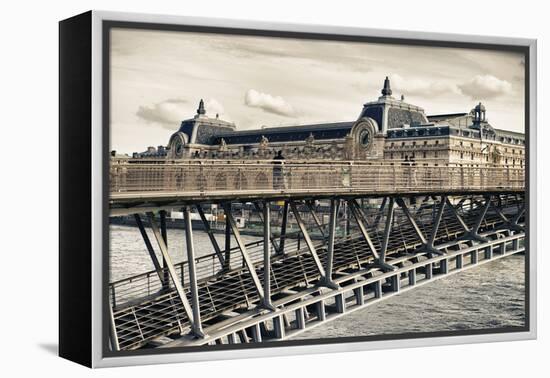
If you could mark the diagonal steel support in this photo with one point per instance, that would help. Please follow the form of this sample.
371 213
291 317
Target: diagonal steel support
327 279
438 217
360 211
387 230
481 217
211 236
316 219
511 223
457 215
473 234
197 324
360 218
244 252
380 213
151 251
308 241
172 270
426 247
411 220
164 233
516 219
227 257
267 256
282 235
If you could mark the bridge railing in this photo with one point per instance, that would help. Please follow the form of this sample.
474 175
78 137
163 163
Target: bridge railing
142 285
205 177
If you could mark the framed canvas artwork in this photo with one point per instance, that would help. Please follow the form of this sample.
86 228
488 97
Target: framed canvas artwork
232 189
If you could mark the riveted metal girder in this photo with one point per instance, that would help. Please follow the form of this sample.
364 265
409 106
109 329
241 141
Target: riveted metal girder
457 215
438 217
359 218
150 249
171 269
334 205
210 234
267 255
284 222
316 218
244 252
307 239
197 324
411 220
387 230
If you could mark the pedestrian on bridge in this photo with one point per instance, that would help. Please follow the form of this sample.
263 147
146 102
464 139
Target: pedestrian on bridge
278 174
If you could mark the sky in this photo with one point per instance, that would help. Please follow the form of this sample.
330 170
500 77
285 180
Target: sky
159 77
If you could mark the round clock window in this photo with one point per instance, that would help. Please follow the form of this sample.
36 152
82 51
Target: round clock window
178 148
365 138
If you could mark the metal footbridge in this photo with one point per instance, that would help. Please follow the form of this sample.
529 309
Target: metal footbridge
361 233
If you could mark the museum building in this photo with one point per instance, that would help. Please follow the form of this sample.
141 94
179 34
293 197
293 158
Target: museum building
388 129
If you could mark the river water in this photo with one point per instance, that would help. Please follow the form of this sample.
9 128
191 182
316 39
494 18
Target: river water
489 296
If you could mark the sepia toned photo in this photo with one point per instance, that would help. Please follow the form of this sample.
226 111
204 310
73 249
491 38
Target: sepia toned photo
295 189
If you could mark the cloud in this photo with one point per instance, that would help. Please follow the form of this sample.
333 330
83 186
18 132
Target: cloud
268 103
486 86
167 113
171 112
421 87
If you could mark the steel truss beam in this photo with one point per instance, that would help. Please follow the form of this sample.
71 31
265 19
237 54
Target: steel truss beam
513 224
438 217
211 236
387 230
426 245
151 251
309 243
197 324
227 258
327 279
519 214
457 215
244 252
380 213
164 233
172 270
360 218
282 235
411 220
472 233
267 256
316 219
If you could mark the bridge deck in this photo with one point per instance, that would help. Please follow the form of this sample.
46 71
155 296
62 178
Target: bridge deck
141 318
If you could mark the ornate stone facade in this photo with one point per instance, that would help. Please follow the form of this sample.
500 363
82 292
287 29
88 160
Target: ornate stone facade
387 128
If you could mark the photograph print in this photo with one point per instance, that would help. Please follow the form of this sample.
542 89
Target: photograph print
277 188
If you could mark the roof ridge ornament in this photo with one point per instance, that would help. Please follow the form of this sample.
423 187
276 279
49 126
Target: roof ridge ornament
386 91
201 110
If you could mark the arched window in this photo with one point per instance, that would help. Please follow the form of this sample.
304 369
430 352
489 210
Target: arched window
261 181
240 182
221 182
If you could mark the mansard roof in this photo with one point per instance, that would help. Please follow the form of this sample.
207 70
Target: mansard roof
299 133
